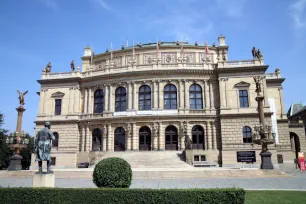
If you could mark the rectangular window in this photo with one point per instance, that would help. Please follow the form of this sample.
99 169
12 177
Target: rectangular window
243 98
58 106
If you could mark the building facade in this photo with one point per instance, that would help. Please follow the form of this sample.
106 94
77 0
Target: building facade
144 98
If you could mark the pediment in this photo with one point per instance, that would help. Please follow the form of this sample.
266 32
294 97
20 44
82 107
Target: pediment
242 84
58 94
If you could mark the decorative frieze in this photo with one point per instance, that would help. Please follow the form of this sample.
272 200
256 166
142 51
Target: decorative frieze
169 58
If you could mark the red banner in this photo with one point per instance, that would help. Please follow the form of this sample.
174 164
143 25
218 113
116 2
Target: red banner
301 161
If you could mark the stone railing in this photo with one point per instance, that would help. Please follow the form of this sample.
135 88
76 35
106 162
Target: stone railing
240 63
60 75
272 75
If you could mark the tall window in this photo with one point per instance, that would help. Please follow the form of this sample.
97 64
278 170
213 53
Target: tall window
120 99
247 134
170 97
58 106
195 95
244 98
99 101
145 98
55 142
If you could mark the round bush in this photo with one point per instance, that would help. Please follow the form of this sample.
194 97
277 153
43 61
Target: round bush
112 173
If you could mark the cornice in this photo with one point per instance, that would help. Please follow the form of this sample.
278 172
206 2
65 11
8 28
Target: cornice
242 69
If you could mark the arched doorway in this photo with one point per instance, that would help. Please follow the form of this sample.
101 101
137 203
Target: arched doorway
119 139
197 137
171 138
295 143
96 140
145 138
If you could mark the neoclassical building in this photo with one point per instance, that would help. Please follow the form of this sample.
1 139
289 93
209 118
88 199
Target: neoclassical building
144 98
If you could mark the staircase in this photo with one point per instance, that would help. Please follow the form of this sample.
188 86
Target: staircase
148 159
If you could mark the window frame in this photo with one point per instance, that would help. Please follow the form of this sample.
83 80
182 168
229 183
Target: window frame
100 104
56 141
58 106
170 99
195 98
241 105
247 135
122 99
145 93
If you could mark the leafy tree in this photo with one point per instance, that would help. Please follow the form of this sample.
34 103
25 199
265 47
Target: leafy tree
27 153
5 151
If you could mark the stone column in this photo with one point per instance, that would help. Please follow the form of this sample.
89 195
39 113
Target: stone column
88 138
20 111
76 100
41 102
155 95
128 137
86 101
134 96
104 138
281 96
90 103
83 135
45 101
110 99
222 90
206 94
181 95
264 85
129 96
109 138
134 137
207 136
226 92
214 134
185 95
212 95
160 95
211 135
106 95
161 137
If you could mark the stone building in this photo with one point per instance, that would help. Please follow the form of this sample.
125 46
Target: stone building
143 98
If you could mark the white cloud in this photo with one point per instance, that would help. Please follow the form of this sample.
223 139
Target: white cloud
49 3
103 4
232 8
298 10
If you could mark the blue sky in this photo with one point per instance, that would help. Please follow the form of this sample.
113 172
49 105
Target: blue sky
34 32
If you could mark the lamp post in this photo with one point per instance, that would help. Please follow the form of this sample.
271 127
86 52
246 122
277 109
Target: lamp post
263 133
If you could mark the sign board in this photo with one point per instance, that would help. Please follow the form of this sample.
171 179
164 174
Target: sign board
246 156
301 161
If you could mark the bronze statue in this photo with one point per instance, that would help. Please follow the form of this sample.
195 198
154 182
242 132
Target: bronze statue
48 68
72 65
21 97
257 80
188 142
254 52
42 146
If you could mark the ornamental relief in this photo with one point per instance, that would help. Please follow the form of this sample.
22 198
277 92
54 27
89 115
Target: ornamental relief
204 58
129 58
149 58
100 64
117 62
190 57
169 58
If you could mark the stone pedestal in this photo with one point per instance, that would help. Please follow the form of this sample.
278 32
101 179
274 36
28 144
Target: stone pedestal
266 162
44 180
15 163
189 156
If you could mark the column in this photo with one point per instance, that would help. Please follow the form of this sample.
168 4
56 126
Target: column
129 96
181 94
155 95
45 101
70 105
281 96
264 85
76 100
128 137
88 138
210 135
83 137
212 95
214 134
207 136
106 95
160 95
41 101
206 94
161 144
221 87
110 98
134 96
90 96
104 136
109 139
226 92
134 137
185 94
86 101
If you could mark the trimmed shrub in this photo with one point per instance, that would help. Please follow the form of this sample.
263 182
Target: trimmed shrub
112 173
121 196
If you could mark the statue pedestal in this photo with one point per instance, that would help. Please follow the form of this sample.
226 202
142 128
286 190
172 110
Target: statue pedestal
266 162
44 179
15 163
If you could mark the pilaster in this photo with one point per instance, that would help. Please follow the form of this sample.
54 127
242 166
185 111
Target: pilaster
134 137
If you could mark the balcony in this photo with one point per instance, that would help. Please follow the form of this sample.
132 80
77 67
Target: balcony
240 63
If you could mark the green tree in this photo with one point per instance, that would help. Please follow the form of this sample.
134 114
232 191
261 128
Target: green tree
5 152
27 153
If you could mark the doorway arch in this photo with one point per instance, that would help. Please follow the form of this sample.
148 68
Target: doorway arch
171 138
295 143
197 137
119 139
96 140
145 139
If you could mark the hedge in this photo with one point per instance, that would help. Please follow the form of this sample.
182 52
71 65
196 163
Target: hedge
120 196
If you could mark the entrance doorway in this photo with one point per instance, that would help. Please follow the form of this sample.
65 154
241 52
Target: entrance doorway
97 140
171 139
145 139
295 143
119 139
197 137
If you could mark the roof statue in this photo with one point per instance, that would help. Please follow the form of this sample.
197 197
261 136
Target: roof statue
72 65
48 68
21 97
256 53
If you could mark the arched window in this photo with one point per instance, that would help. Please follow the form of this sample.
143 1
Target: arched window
171 138
195 95
170 97
120 99
99 101
197 137
96 140
145 138
119 139
145 97
247 134
55 142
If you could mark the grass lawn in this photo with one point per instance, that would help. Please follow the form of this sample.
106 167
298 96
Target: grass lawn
277 197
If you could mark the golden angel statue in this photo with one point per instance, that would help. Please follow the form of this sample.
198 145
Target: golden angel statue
21 97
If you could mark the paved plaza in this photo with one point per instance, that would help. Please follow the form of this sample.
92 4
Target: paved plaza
295 181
